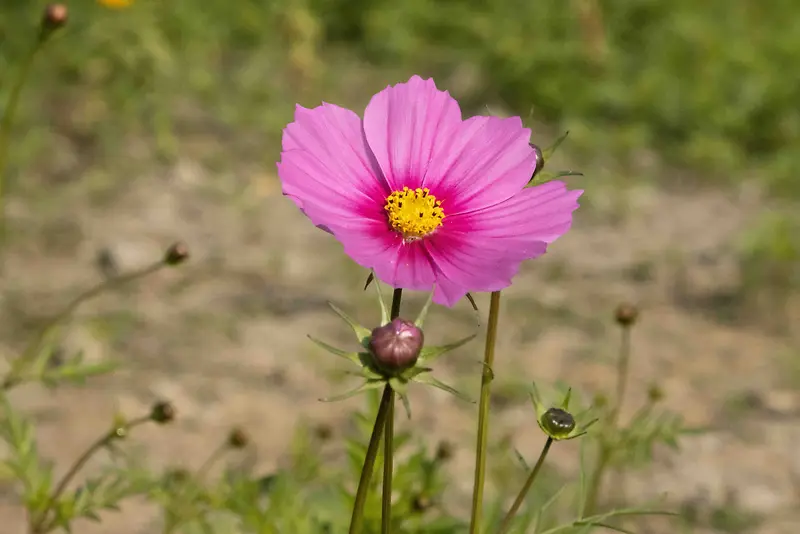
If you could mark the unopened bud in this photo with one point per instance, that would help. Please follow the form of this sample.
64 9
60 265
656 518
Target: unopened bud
421 503
600 401
558 422
626 314
539 160
655 393
396 345
162 413
176 254
444 451
54 17
238 439
323 432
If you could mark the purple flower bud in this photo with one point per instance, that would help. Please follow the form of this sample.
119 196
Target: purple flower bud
396 345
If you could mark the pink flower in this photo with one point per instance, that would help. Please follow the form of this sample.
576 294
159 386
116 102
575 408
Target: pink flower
420 195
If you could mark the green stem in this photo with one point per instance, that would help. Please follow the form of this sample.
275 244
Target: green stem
14 377
183 496
9 114
40 523
388 440
357 519
483 414
605 453
623 362
388 467
506 524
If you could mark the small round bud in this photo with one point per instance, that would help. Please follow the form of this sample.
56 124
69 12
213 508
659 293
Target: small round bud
444 451
626 314
177 475
54 17
539 160
421 503
654 393
176 254
396 346
238 439
600 401
558 422
323 432
162 413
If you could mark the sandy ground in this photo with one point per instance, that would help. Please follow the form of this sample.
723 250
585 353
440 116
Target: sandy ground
224 337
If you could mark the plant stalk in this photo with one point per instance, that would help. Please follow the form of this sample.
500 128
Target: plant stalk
14 377
605 453
357 519
483 414
388 439
512 512
40 523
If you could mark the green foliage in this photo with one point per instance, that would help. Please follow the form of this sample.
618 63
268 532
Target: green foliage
704 85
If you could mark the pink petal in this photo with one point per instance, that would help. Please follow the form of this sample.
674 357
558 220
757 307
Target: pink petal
327 169
486 161
374 246
541 213
483 250
405 125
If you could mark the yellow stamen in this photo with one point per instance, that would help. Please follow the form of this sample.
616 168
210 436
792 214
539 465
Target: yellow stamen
415 213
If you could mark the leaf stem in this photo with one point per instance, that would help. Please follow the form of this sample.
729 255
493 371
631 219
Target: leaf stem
506 524
483 414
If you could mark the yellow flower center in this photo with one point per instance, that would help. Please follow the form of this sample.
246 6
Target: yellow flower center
414 213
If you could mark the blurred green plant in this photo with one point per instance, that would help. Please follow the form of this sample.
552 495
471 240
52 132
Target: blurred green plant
144 65
703 86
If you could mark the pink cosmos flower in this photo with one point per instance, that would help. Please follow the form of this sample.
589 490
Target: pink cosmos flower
421 196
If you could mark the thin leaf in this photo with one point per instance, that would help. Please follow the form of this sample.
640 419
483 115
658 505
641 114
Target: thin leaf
406 404
537 522
428 354
423 313
548 152
521 460
611 527
362 333
370 278
351 356
366 386
432 381
384 309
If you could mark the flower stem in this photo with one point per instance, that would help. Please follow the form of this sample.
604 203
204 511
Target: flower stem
39 522
483 414
9 113
605 452
14 376
388 440
357 519
506 524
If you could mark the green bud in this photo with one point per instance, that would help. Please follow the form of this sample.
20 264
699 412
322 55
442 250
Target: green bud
558 422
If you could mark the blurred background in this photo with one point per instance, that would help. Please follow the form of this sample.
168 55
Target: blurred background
161 120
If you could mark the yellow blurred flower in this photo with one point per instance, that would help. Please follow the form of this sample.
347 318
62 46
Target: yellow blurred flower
115 4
